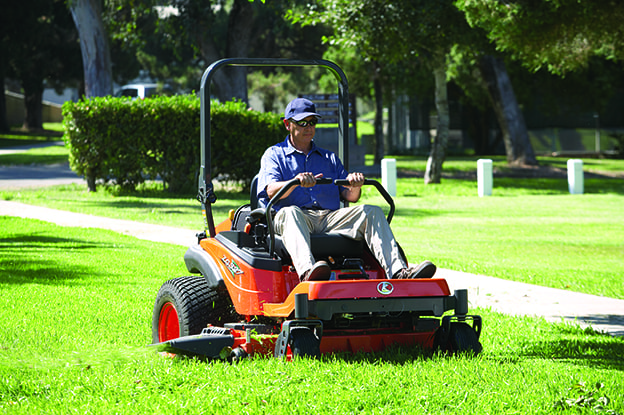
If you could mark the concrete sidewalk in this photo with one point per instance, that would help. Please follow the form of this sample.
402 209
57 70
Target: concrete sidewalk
25 176
513 298
21 149
20 177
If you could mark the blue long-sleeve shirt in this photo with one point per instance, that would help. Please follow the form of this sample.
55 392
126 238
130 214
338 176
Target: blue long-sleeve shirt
283 162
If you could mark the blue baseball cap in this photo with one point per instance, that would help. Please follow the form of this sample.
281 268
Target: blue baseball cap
300 108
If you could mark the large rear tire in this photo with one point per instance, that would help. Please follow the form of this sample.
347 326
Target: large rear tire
185 305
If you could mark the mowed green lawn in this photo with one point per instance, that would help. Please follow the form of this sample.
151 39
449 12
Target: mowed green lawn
76 307
556 240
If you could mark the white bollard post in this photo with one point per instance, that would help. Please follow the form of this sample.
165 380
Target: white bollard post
484 177
389 176
575 176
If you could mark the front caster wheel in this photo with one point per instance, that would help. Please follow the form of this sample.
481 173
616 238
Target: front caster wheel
460 339
304 343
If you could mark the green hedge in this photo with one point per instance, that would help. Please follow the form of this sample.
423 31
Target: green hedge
127 141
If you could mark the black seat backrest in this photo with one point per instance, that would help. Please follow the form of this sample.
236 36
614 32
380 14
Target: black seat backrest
253 193
254 202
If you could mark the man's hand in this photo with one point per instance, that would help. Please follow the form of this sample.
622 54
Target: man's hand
352 192
355 179
305 179
308 179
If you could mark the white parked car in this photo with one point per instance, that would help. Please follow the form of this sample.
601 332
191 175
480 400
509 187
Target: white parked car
142 91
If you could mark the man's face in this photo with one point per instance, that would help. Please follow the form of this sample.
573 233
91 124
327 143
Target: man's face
299 133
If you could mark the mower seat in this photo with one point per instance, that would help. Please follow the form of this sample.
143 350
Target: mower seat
323 245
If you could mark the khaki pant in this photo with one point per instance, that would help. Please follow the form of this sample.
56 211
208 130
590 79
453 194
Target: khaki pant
357 222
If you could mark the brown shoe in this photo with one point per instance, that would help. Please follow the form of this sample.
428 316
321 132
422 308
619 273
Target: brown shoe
319 272
425 269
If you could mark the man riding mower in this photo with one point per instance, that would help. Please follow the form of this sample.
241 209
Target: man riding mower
294 274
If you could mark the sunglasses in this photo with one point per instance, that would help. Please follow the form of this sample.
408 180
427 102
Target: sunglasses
304 123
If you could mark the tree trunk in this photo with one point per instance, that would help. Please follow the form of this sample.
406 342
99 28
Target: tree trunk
96 59
32 83
379 136
500 91
439 142
34 108
240 27
4 124
231 82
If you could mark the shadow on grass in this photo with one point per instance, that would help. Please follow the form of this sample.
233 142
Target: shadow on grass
556 186
148 197
154 206
34 241
19 271
32 258
16 138
401 211
584 347
614 320
30 159
604 186
141 204
550 177
156 191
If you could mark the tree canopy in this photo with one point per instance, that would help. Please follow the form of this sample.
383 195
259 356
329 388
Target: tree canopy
560 35
176 41
38 43
401 33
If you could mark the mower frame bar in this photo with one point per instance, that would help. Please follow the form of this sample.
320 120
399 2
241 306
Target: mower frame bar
206 194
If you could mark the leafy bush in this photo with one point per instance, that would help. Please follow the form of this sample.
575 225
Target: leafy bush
128 141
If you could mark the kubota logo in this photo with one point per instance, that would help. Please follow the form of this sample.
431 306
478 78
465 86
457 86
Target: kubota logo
385 288
232 266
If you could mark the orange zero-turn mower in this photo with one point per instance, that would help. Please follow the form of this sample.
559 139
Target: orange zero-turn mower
248 299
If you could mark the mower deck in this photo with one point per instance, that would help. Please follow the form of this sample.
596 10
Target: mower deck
382 314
